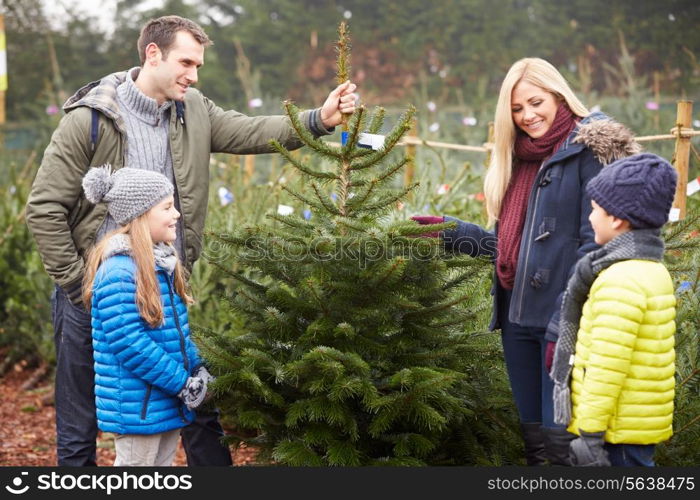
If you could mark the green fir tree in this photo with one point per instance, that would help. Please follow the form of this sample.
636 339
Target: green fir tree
683 260
352 348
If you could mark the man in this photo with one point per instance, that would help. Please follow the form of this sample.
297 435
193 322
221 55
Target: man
148 117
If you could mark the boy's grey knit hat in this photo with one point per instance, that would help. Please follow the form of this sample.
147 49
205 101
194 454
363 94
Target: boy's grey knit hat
639 189
128 192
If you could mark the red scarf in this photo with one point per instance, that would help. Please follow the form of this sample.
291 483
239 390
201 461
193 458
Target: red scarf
529 156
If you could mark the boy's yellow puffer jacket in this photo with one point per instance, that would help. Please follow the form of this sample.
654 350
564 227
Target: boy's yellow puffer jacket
623 376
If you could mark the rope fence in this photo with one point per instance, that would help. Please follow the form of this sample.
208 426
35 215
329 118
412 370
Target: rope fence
488 146
682 133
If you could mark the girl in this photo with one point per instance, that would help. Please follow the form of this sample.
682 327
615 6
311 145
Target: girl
547 146
148 376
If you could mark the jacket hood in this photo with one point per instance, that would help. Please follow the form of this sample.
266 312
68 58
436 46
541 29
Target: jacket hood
118 244
100 95
608 139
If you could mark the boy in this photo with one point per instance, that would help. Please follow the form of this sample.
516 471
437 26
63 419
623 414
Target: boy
614 361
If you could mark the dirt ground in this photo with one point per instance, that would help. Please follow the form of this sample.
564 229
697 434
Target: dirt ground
28 432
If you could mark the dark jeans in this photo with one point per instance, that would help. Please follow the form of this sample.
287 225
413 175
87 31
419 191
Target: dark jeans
76 420
631 455
524 351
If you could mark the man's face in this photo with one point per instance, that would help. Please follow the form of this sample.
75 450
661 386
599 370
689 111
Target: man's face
173 75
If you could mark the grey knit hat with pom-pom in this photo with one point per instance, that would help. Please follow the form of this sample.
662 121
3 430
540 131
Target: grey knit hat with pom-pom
128 192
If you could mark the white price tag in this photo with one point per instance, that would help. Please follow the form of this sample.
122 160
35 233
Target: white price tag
370 141
225 196
285 210
674 215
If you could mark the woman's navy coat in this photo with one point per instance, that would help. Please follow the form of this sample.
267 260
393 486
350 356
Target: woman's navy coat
557 231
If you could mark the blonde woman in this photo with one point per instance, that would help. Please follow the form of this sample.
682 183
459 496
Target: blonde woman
148 375
547 147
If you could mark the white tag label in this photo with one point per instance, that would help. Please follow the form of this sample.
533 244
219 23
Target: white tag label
373 141
225 196
3 63
285 210
694 186
674 214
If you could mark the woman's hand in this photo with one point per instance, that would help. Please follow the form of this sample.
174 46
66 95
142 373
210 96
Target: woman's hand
549 355
427 220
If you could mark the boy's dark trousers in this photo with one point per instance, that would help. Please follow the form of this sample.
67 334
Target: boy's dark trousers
630 455
76 420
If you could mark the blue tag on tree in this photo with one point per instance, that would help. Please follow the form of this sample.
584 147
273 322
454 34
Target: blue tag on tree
368 141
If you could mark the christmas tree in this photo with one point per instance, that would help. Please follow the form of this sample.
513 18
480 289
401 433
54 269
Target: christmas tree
351 348
682 258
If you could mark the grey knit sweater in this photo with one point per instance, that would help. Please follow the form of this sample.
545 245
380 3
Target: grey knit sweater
147 144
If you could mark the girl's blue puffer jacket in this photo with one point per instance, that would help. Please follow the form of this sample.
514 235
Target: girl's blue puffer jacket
139 370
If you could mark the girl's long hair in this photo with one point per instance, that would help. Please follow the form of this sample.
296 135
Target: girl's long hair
537 72
148 297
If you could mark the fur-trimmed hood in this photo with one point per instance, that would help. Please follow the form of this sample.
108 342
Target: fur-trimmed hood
609 140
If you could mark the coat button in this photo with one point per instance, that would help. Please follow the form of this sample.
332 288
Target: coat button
543 236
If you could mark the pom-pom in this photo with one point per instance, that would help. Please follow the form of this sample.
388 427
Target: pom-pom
97 182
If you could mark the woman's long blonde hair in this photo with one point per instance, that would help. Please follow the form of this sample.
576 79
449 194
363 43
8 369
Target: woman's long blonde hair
537 72
148 297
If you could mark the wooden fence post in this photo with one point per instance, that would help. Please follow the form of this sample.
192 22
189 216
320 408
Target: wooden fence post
681 158
409 171
489 141
249 169
3 74
657 98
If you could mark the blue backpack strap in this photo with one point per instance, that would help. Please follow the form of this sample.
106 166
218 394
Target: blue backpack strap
94 129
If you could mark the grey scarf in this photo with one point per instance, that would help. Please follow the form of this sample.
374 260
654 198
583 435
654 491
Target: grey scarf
642 244
165 255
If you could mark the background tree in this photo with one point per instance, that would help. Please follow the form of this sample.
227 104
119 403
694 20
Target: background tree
683 261
462 47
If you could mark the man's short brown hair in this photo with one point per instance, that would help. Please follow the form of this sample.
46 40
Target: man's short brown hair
162 31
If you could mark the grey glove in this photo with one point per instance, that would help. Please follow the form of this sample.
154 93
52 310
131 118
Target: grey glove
193 393
204 374
207 377
587 450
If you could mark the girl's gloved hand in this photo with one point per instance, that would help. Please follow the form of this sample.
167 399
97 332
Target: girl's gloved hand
208 378
194 392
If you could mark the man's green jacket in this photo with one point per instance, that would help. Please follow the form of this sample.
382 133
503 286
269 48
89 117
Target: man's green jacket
65 224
